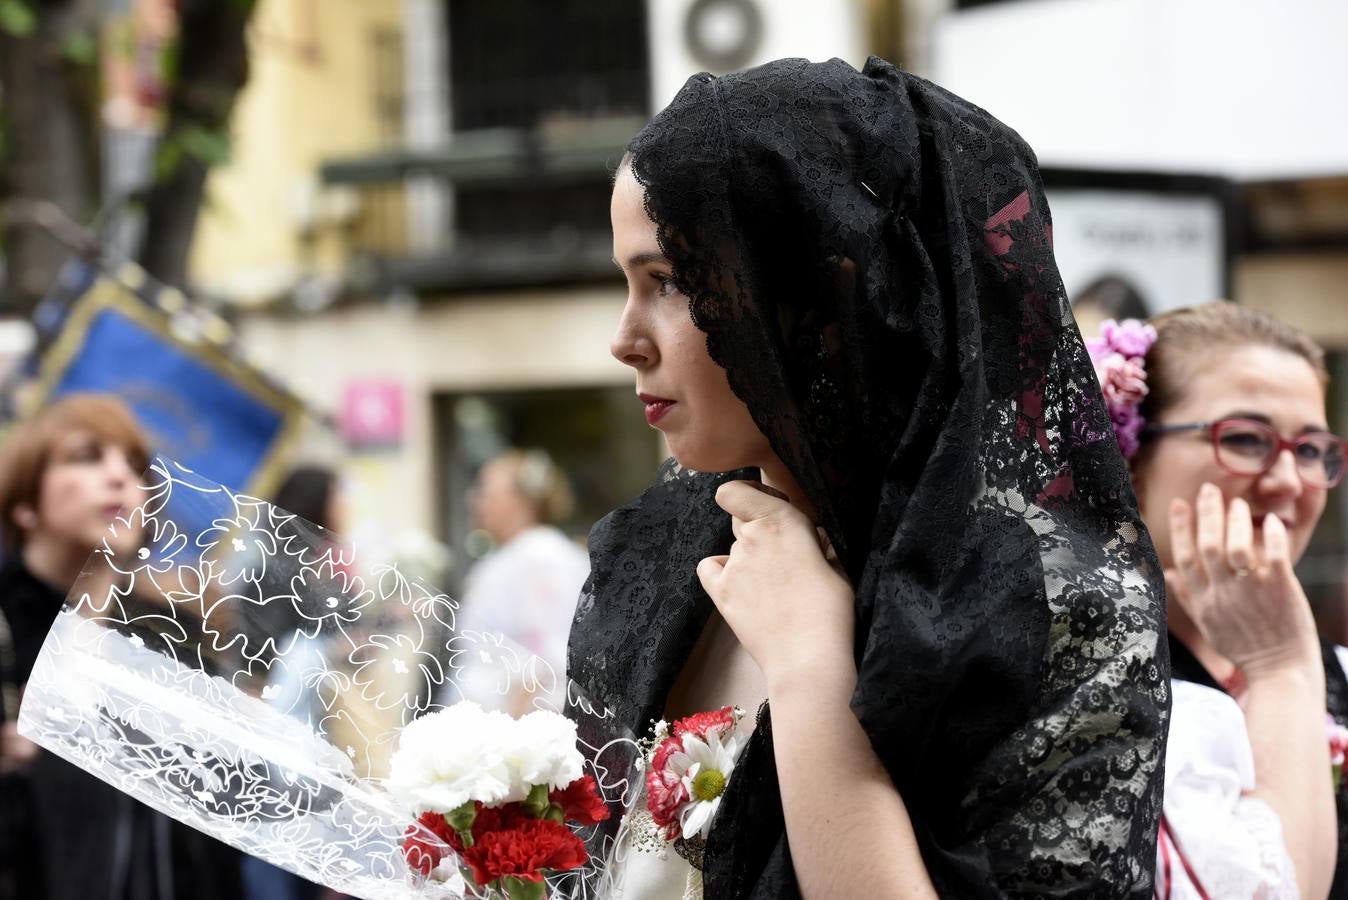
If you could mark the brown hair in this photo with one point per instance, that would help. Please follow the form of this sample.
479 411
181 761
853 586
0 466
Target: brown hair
1184 336
27 450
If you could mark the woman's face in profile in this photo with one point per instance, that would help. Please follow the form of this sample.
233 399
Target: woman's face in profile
685 394
1251 382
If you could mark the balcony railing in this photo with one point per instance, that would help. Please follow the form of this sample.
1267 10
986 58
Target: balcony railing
529 207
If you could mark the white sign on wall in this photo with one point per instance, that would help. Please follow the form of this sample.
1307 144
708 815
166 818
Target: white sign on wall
1250 90
1170 249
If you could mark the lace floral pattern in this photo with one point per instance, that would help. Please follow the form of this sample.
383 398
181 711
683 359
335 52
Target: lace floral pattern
870 258
166 676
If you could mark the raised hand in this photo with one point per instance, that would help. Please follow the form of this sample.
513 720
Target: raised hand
787 602
1242 595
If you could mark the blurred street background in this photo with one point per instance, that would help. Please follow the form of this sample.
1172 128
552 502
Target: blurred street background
373 234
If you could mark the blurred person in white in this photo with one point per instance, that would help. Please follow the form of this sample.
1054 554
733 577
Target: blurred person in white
1232 471
526 588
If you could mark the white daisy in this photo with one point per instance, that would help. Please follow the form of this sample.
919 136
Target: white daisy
705 766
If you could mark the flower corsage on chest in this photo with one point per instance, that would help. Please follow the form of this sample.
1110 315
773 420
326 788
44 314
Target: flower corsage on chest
688 766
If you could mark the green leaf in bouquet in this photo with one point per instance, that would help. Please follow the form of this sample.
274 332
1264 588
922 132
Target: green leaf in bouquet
461 819
1337 771
523 888
537 802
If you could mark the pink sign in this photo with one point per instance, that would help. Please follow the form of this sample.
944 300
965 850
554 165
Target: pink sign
372 414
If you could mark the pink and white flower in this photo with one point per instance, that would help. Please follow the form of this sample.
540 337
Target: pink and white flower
690 766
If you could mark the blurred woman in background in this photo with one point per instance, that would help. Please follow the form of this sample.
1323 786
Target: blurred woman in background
65 476
1221 410
526 587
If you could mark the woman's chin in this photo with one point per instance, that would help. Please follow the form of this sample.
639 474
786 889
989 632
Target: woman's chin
701 458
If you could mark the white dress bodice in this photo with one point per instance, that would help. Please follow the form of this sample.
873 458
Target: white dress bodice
1232 841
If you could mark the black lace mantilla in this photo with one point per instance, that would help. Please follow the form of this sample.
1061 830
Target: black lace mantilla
870 259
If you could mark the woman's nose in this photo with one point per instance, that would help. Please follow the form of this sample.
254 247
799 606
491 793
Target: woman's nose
630 345
1283 476
118 466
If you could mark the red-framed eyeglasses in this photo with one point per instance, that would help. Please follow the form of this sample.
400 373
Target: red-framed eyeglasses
1250 447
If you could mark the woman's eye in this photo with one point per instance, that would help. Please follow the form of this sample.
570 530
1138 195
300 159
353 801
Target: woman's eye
1247 442
664 285
86 453
1309 452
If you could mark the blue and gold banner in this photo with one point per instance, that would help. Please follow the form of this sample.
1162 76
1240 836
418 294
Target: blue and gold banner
200 404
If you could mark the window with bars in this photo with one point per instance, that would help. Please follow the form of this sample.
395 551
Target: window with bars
555 68
521 63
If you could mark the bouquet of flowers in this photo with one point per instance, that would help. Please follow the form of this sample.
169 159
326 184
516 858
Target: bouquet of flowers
244 672
496 793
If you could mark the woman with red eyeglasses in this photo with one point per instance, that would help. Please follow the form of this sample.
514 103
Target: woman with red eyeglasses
1221 411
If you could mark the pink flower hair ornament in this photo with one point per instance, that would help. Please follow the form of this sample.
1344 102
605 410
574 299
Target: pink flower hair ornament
1119 355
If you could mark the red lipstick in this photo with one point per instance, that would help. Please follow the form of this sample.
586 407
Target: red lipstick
656 407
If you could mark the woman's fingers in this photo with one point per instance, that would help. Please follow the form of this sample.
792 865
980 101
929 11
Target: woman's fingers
1277 548
1211 530
749 500
1182 549
1240 553
709 573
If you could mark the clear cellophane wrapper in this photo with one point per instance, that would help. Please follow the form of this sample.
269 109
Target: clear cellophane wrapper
233 666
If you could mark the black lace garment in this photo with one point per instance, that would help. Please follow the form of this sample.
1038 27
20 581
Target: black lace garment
870 259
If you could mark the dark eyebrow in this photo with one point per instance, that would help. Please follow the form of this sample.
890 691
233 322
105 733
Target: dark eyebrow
642 259
1260 417
1245 414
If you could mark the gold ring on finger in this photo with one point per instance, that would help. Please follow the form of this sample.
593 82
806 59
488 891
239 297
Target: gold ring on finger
1242 572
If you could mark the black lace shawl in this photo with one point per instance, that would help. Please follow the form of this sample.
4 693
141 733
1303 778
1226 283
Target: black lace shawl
870 259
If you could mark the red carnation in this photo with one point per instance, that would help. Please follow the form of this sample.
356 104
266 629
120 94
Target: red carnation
703 722
580 801
665 792
524 851
424 851
669 746
498 818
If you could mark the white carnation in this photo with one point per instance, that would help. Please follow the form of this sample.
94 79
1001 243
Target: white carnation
448 757
544 751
